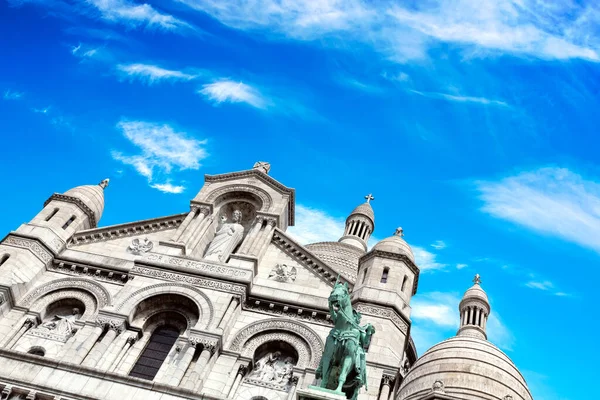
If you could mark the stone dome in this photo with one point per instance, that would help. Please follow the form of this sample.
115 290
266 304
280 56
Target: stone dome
468 368
366 210
395 244
476 292
342 257
91 195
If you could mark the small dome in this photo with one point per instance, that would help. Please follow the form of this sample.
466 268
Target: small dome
476 292
465 367
395 244
366 210
342 257
92 196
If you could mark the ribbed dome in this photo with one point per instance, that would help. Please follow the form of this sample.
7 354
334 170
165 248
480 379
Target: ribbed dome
469 368
342 257
365 209
395 244
476 292
91 195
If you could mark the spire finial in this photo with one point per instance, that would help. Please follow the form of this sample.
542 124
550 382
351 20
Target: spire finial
262 166
477 279
399 231
104 183
369 197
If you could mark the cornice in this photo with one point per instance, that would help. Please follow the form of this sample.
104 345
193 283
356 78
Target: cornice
78 202
394 256
128 229
33 244
101 274
308 259
288 310
265 178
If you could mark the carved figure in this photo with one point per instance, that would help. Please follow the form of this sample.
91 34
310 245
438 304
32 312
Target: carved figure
137 247
343 365
228 236
62 324
273 368
283 273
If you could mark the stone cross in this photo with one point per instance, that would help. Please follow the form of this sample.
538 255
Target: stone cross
262 166
369 197
477 279
399 232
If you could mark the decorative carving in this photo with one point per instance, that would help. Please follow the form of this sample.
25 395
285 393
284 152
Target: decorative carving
62 324
101 294
200 298
215 269
125 230
108 323
69 268
208 283
438 387
30 322
138 247
242 370
318 317
262 166
283 273
2 298
32 245
78 202
387 379
208 343
264 197
388 313
344 364
273 370
227 237
313 340
507 397
131 340
298 343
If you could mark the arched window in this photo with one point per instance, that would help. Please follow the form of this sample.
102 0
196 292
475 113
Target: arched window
365 275
69 222
404 283
4 258
37 351
52 214
155 353
384 275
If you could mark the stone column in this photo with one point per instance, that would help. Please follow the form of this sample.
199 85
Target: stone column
293 387
31 395
93 358
84 348
386 387
27 325
185 223
182 364
484 321
194 380
168 365
128 343
470 318
263 237
252 235
229 312
113 352
193 227
6 392
241 372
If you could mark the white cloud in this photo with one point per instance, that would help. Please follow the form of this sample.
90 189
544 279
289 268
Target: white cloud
520 27
426 260
545 285
162 150
307 219
168 188
553 201
461 266
44 110
135 15
226 90
460 99
498 333
150 74
12 95
439 245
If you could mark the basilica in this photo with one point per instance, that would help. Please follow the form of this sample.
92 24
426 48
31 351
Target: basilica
219 302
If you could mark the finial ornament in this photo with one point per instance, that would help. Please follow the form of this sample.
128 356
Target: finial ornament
369 197
477 279
399 231
104 183
262 166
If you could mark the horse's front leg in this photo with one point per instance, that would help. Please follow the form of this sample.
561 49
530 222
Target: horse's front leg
346 365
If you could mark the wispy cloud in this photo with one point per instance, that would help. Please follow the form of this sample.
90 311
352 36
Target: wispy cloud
359 85
439 308
150 74
162 150
12 95
553 201
461 266
439 245
460 99
229 91
530 28
44 110
84 51
426 260
136 15
546 286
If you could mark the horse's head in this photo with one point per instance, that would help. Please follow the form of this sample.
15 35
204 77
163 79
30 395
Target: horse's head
340 296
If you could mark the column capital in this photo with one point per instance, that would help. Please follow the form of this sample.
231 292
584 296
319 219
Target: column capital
272 222
209 343
387 379
30 323
242 370
113 324
131 339
259 219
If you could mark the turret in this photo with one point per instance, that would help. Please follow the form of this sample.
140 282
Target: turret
360 225
474 311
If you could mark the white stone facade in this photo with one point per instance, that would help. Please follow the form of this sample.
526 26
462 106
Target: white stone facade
135 311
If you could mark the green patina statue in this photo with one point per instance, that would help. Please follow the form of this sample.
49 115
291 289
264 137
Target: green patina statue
343 365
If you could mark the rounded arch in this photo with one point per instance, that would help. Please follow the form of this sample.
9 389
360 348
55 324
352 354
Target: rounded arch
101 295
257 393
306 342
37 351
262 198
90 305
204 304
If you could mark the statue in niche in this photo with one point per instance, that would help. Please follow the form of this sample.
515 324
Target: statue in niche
228 236
273 368
62 324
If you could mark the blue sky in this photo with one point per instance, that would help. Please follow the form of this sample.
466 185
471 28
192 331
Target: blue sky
474 124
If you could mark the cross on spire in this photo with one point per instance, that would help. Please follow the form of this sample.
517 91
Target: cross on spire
369 197
477 279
